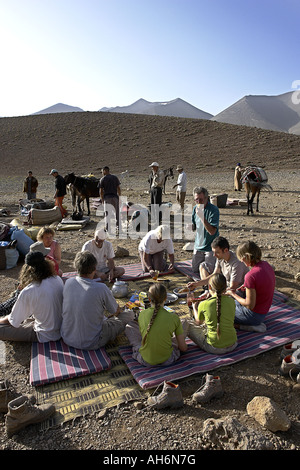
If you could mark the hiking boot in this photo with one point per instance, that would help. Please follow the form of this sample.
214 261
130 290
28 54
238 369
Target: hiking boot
7 394
21 413
170 397
296 358
289 348
211 389
288 366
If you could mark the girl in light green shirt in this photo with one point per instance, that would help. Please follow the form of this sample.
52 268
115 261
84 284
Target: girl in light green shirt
213 329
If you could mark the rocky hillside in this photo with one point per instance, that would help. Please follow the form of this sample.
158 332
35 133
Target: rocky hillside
84 142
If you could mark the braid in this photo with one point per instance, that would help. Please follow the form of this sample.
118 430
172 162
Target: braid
219 296
155 311
157 294
218 285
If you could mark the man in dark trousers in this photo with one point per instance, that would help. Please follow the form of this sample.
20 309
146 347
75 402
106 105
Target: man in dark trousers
110 191
60 191
30 186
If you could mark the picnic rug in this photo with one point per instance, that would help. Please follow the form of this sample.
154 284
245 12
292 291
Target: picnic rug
283 326
126 380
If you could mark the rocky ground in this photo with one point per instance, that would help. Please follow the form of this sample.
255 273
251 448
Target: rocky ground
276 229
209 152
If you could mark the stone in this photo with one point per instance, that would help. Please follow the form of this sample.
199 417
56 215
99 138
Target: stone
121 252
230 434
267 413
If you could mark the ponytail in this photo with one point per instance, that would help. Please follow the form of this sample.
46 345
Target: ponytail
218 284
157 295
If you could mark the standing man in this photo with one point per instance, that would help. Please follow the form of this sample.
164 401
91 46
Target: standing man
110 191
30 186
205 220
60 191
156 188
237 177
180 186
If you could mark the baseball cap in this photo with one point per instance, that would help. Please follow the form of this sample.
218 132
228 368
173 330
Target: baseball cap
154 164
53 171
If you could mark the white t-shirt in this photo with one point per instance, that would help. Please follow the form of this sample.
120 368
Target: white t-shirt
84 303
181 181
102 254
44 302
149 244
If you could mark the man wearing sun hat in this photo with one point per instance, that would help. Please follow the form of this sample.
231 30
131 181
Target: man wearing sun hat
60 190
104 253
180 186
157 182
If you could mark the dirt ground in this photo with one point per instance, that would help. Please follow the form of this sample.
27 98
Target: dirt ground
209 152
276 229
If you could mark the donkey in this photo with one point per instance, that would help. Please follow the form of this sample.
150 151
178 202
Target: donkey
255 179
83 188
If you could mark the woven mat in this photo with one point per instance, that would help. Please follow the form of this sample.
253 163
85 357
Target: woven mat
92 393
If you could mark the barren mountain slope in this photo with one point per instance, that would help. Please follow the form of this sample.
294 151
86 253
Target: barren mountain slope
84 142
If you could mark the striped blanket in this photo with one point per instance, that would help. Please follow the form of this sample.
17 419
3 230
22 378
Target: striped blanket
55 361
283 326
132 272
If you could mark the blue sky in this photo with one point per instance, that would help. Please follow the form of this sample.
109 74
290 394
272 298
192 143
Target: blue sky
103 53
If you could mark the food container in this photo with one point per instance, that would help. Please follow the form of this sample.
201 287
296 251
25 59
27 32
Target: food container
120 289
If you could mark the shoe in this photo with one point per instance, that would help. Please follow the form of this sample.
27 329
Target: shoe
296 358
21 413
257 328
211 389
289 348
7 394
170 397
288 367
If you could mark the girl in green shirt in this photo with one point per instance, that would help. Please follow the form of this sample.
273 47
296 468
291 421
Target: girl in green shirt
159 337
213 329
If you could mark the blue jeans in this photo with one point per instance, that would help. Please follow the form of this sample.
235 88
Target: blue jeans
245 316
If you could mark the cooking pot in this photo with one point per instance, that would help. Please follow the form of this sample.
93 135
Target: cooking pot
120 289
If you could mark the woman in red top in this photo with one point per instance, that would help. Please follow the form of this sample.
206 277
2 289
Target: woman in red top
259 285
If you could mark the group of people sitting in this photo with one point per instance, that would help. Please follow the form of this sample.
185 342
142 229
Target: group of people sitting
86 315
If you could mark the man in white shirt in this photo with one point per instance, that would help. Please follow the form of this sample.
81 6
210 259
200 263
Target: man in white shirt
85 301
180 186
152 247
103 251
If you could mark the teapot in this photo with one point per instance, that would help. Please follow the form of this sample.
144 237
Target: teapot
120 289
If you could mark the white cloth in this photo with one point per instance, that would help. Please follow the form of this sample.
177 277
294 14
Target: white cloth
181 181
102 254
84 304
149 244
44 302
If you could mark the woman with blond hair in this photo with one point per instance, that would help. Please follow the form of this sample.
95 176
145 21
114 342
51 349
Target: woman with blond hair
50 247
158 337
213 328
259 284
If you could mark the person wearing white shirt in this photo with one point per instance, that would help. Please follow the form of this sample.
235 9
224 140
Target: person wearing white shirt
37 313
103 251
152 248
181 186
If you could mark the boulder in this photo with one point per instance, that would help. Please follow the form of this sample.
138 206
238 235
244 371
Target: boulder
267 413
